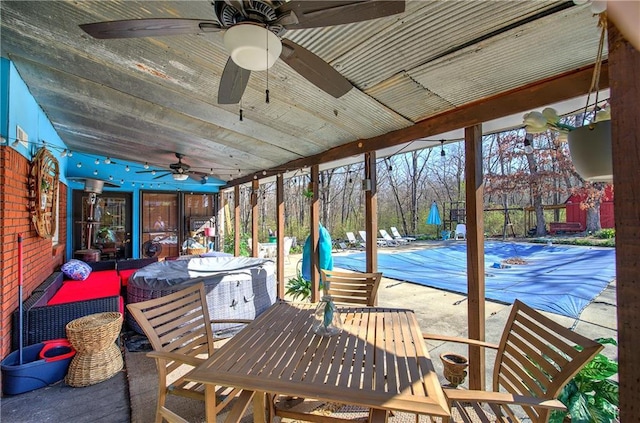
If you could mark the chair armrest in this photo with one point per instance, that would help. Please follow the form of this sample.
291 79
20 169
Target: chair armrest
462 395
467 341
186 359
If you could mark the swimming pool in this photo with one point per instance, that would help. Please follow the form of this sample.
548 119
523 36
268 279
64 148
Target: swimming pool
558 278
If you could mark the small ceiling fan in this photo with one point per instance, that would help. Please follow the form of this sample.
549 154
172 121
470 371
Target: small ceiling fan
253 37
179 171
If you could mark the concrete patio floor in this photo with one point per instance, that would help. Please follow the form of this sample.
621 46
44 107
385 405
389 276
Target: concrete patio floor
437 312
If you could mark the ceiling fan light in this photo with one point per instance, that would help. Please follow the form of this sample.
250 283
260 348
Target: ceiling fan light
247 46
180 176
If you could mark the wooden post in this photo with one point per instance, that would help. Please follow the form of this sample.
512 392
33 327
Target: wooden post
280 232
315 234
371 212
475 252
236 220
624 62
255 186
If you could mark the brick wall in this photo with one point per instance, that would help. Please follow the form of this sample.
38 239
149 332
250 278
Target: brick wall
40 256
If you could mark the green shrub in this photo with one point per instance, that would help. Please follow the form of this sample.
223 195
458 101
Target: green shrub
606 233
229 244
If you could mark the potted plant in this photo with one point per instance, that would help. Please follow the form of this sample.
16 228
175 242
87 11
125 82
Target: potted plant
299 288
591 396
589 145
45 187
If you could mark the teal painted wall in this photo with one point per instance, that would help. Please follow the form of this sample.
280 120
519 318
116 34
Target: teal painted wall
19 108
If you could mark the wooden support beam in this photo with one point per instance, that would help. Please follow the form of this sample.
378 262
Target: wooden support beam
280 232
236 220
529 97
475 252
255 186
624 63
371 212
315 234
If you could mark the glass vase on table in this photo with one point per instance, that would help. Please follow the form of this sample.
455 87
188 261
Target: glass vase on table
327 320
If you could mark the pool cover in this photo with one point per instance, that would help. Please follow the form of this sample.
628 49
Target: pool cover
560 279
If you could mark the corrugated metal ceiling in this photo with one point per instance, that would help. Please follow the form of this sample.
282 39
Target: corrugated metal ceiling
147 98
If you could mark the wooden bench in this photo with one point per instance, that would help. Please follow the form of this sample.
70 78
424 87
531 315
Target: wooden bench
555 227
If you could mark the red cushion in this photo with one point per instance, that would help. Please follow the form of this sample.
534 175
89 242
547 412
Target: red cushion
125 274
101 284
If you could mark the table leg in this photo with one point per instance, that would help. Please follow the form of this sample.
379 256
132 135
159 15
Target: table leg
259 407
210 402
378 416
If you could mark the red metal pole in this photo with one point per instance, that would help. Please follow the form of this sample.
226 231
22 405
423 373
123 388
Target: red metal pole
20 299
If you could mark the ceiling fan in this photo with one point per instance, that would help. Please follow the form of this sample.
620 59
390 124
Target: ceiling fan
253 37
179 171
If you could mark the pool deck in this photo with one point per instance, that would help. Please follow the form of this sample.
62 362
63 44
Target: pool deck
437 311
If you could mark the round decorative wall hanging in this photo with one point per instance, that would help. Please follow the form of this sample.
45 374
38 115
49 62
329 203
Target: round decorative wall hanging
45 176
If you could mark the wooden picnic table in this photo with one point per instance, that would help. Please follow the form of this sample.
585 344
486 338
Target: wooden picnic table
378 361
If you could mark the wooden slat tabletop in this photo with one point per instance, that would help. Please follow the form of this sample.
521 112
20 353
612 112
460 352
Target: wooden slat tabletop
379 360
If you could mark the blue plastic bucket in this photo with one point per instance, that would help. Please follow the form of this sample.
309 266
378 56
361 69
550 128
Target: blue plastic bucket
36 372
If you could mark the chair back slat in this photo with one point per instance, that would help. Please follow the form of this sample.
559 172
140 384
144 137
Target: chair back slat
537 357
175 320
351 288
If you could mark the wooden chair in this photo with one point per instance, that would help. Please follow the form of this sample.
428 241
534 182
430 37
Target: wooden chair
351 288
536 357
179 330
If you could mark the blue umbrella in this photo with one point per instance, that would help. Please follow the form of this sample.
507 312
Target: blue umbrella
434 215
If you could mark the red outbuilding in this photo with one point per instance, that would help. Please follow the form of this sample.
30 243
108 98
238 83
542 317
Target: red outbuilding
576 214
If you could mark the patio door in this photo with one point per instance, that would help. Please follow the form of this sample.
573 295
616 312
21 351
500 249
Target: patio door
174 223
159 222
102 222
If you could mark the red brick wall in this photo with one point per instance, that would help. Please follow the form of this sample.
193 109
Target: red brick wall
40 256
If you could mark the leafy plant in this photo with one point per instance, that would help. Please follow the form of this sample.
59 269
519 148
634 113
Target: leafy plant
299 288
606 233
45 185
591 396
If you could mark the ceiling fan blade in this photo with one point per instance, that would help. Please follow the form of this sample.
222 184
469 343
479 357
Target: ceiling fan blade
314 69
233 83
150 171
162 176
314 14
136 28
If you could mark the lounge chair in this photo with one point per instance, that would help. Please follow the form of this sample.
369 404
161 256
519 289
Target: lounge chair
396 235
460 231
353 242
381 242
390 241
288 243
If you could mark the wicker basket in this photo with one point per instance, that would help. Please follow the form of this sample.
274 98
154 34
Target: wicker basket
94 332
98 356
91 368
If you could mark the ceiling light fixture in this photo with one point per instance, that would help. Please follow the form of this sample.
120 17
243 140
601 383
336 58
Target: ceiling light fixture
442 153
146 165
180 176
246 46
107 161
